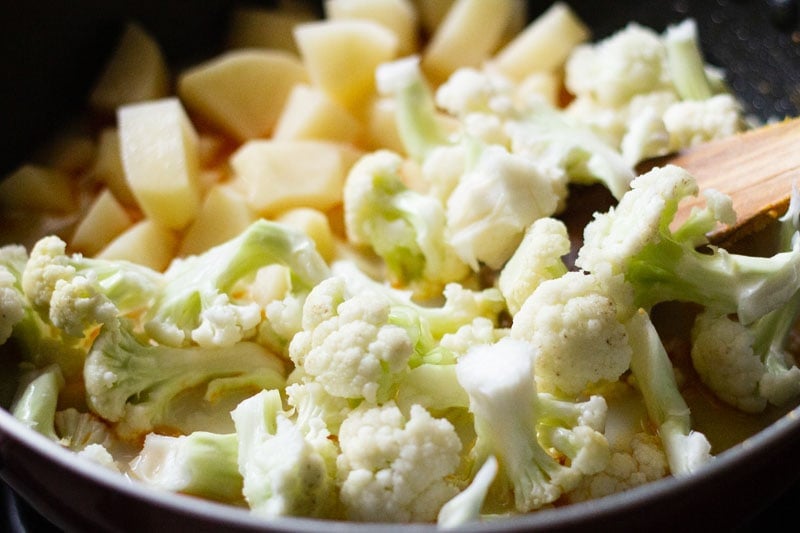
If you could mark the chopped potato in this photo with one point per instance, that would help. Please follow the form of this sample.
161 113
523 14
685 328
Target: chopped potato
311 114
37 187
315 224
136 72
146 243
341 57
544 44
108 167
242 92
467 36
223 215
253 27
105 219
399 16
280 175
160 157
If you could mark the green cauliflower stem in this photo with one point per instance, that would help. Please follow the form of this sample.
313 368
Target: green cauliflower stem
465 507
198 302
522 427
748 366
634 239
200 464
395 467
404 227
37 399
131 381
685 61
686 450
284 474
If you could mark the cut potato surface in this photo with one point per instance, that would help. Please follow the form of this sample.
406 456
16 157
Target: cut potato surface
159 155
341 57
242 92
280 175
136 72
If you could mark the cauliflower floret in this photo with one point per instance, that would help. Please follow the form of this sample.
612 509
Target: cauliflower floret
283 472
576 323
641 461
348 345
722 354
692 122
612 71
12 306
469 90
394 468
537 258
494 203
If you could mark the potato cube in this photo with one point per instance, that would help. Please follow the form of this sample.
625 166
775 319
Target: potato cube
37 187
242 92
280 175
544 44
252 27
311 114
399 16
159 155
315 224
108 167
145 243
467 37
135 73
104 220
341 57
223 215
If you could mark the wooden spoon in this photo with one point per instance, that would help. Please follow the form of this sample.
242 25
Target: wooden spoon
757 169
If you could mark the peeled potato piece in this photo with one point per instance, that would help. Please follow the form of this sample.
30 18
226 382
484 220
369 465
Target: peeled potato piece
341 57
105 219
468 35
280 175
160 156
146 243
223 215
311 114
136 72
242 92
399 16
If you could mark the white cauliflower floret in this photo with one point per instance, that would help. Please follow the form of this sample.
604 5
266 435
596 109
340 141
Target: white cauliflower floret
722 354
494 203
612 71
576 324
641 461
544 445
347 344
537 258
394 468
12 306
469 90
692 122
223 324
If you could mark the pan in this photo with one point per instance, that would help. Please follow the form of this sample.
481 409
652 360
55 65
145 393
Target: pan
52 53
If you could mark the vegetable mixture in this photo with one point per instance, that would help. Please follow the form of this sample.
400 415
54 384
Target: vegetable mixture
326 273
